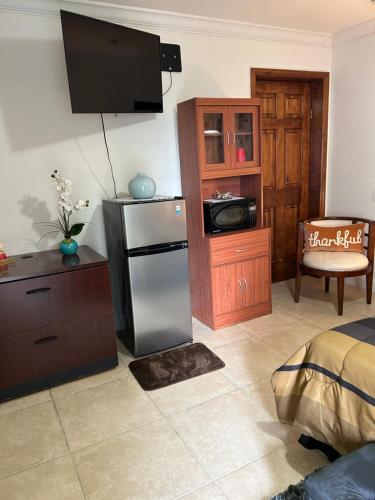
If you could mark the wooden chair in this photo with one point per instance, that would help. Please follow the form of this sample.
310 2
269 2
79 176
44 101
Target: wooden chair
332 265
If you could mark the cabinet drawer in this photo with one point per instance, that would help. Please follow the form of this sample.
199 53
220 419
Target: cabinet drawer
78 294
232 248
30 356
26 305
36 303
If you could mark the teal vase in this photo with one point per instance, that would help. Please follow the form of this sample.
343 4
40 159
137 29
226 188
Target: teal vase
142 186
68 246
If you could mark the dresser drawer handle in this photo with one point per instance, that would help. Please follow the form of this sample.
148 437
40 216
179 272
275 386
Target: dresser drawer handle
38 290
44 340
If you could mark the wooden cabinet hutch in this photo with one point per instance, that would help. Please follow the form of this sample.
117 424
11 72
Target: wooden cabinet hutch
230 276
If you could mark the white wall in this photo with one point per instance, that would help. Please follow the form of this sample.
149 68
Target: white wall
38 132
351 173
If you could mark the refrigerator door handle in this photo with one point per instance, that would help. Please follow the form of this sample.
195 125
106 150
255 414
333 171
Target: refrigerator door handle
155 249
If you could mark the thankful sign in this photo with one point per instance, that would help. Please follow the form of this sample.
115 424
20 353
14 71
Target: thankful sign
334 239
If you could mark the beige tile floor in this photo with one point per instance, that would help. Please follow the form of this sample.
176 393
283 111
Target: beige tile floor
212 437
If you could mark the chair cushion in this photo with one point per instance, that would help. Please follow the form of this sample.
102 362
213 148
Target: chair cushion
331 222
335 261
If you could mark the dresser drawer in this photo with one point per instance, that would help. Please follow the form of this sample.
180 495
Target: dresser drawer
28 356
26 305
235 247
35 303
35 355
78 294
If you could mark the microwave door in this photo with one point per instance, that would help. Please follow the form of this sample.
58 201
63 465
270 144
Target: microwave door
232 216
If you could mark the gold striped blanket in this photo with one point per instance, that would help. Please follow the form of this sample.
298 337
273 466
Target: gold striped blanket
326 390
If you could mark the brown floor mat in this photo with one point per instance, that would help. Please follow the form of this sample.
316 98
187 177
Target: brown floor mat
166 368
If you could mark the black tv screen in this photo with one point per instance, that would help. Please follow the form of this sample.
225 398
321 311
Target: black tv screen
111 68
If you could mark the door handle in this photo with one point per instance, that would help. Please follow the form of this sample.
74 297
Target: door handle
245 283
38 290
234 137
240 285
227 137
44 340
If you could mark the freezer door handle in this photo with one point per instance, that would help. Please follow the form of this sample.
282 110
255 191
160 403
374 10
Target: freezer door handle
155 249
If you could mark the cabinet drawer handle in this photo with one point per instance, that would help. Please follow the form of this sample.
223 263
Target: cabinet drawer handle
38 290
238 250
44 340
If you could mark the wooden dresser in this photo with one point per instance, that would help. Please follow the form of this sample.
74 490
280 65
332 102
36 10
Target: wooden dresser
230 272
56 320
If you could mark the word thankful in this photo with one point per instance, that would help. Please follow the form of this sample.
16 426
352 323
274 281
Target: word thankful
340 240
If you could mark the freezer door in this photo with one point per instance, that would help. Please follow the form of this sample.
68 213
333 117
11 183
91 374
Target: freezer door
160 301
152 223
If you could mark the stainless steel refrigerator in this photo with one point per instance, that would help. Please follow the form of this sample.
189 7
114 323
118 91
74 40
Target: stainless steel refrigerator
148 258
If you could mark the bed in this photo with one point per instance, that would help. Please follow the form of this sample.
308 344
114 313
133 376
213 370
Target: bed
326 390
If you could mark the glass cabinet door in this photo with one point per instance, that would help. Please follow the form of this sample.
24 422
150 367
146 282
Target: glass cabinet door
215 138
244 136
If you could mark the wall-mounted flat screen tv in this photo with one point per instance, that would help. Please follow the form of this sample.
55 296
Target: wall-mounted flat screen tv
111 68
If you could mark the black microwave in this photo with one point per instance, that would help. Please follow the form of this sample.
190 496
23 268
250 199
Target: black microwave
229 215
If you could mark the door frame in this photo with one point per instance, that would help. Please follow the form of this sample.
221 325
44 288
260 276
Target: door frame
319 85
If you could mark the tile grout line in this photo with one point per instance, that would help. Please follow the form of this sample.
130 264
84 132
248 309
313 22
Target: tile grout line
235 388
7 476
167 421
24 408
213 479
216 479
89 387
194 454
180 497
251 462
69 451
255 333
164 418
72 452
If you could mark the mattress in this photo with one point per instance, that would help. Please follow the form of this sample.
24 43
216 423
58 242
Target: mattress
326 390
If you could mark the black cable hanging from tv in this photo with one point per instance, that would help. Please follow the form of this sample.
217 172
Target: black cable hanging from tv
170 84
109 158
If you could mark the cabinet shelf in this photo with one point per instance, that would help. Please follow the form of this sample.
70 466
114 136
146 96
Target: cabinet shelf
213 134
226 172
230 234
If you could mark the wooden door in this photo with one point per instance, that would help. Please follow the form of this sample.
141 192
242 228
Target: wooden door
226 288
285 161
256 281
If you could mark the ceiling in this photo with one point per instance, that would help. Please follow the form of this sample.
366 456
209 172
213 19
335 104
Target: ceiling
328 16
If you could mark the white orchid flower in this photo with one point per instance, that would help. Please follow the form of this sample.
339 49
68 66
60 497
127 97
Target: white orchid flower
66 206
80 204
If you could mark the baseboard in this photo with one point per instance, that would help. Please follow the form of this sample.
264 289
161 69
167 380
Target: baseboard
52 380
